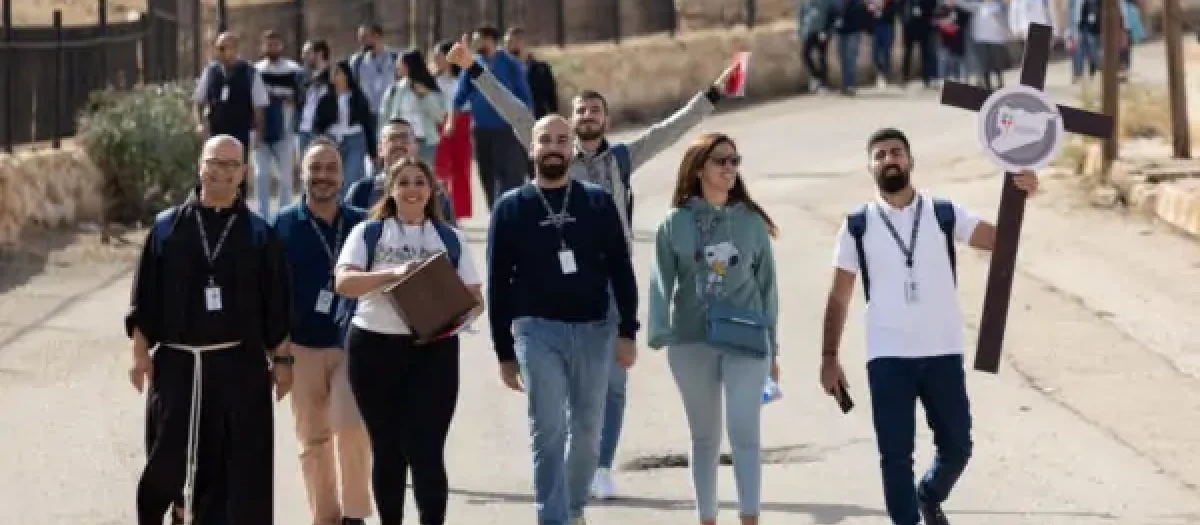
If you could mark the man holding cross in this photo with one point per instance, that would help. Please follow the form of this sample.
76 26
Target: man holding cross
914 324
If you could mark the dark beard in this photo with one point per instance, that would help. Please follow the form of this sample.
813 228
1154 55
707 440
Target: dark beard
892 180
586 135
552 171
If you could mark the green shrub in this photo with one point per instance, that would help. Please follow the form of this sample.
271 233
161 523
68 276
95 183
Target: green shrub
145 145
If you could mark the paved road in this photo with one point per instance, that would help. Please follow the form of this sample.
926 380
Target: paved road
1088 423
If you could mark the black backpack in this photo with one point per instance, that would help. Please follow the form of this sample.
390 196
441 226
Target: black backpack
856 224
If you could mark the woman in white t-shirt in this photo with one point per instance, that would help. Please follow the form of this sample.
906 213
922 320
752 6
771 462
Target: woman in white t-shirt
406 392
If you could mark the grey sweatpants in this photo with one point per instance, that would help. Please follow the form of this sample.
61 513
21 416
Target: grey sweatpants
702 374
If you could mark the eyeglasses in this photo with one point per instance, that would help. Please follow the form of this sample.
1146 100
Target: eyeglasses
222 164
731 160
317 167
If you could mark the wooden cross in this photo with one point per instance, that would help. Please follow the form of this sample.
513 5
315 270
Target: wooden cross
1012 200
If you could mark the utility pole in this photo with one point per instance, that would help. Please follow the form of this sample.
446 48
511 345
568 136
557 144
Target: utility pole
1180 137
1111 32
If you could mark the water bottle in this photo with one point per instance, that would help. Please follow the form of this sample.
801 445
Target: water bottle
771 392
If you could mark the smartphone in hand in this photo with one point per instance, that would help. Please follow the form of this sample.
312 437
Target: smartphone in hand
843 399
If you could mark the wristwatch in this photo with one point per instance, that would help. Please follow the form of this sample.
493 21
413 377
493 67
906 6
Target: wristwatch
286 360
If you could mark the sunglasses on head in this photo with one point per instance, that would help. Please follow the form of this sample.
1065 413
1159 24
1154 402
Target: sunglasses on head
731 160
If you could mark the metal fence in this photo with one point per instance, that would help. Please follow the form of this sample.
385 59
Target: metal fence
50 71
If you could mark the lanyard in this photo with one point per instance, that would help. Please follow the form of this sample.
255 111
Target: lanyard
558 220
912 243
416 248
211 254
331 248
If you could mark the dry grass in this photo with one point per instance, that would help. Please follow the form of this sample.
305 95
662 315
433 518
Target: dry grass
83 12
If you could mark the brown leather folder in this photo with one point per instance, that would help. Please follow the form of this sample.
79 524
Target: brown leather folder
432 299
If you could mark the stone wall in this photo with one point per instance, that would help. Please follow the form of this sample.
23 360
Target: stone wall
646 77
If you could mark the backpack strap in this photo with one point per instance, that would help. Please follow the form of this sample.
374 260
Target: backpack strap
258 228
371 234
944 211
164 223
451 240
856 224
375 193
620 153
356 62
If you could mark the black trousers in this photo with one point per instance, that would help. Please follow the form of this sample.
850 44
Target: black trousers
816 58
503 161
407 395
925 42
235 465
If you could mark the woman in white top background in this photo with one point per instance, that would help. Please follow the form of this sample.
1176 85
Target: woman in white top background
416 97
406 392
453 159
344 115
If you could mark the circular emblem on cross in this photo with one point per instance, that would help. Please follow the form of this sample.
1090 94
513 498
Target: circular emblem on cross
1020 128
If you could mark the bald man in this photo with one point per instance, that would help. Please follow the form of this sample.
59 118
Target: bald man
230 95
556 247
209 314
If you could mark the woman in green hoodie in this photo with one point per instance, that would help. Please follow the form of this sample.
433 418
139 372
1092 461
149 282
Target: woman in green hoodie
714 247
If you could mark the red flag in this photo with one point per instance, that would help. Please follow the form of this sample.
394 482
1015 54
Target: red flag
735 85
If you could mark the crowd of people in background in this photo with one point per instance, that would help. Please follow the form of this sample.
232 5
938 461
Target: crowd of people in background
965 40
278 105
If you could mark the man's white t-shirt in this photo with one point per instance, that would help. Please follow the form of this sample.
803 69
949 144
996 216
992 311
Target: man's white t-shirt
933 324
398 244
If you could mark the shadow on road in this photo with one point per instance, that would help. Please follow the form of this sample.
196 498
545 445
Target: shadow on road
27 258
821 513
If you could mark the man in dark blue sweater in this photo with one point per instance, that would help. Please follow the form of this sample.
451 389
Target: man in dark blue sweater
555 247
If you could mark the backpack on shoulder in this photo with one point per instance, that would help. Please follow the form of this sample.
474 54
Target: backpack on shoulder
856 224
165 221
372 232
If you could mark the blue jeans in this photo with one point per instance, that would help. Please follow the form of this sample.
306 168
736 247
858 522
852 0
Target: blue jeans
953 66
353 150
702 374
614 415
426 152
1086 52
896 384
847 49
614 400
273 159
881 48
565 367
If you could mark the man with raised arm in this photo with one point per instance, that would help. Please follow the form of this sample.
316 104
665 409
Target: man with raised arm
611 165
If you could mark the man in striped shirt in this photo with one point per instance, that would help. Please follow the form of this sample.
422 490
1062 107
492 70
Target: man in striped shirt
275 149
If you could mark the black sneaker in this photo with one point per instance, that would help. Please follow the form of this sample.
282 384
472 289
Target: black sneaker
354 521
931 514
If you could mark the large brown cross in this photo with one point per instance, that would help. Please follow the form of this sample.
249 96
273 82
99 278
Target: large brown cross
1012 200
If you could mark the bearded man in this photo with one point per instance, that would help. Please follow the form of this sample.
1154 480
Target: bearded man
556 247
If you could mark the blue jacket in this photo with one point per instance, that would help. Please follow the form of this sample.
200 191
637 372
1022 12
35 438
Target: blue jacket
312 269
511 74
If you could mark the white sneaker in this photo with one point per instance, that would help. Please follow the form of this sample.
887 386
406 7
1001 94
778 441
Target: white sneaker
881 83
602 486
